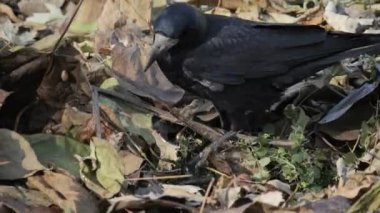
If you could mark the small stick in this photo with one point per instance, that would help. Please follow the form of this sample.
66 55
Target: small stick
208 191
67 26
161 177
328 143
96 112
218 172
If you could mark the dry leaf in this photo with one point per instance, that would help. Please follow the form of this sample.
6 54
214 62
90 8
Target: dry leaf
129 51
131 162
189 194
5 9
10 33
87 17
29 7
43 18
353 185
228 196
27 196
282 18
135 11
273 198
219 11
17 158
153 83
64 192
110 167
168 151
343 22
284 187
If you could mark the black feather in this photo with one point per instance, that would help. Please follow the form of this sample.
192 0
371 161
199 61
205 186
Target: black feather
254 61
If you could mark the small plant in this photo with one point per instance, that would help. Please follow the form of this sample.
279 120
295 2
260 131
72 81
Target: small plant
305 168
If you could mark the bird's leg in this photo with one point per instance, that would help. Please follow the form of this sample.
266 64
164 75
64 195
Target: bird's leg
224 121
239 121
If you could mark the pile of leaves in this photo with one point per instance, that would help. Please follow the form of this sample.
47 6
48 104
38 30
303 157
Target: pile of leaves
84 129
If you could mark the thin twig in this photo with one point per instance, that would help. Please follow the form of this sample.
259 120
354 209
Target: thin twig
96 112
291 196
172 115
67 26
117 205
218 172
282 143
160 177
202 129
206 131
156 111
208 191
328 143
308 12
138 149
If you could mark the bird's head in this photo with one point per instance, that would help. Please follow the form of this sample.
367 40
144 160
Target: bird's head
175 23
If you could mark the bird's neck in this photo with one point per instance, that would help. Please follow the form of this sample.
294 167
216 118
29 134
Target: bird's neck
196 30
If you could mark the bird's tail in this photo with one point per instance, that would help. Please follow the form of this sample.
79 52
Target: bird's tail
339 47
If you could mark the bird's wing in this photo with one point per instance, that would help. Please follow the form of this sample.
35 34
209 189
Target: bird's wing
238 51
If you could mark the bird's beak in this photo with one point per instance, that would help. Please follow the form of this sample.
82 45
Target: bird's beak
160 46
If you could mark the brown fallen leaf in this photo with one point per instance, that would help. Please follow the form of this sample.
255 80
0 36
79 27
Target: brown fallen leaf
64 191
354 185
168 152
12 33
315 19
228 196
5 9
73 117
220 11
342 22
54 13
234 4
112 13
128 63
274 198
131 162
85 21
123 35
190 196
369 202
17 158
360 11
279 185
29 197
282 18
29 7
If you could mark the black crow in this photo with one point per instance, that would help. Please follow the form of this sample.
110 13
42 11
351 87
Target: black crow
242 66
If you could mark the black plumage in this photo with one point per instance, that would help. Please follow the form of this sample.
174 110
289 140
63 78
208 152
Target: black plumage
244 66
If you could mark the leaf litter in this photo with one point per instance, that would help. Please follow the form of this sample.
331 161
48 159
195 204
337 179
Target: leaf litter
153 146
